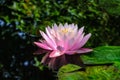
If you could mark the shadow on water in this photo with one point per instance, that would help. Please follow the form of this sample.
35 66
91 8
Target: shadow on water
16 55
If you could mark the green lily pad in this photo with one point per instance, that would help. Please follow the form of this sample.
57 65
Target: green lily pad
69 68
102 55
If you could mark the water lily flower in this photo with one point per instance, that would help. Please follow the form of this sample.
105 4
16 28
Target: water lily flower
62 41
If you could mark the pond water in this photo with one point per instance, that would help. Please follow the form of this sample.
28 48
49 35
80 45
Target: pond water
16 55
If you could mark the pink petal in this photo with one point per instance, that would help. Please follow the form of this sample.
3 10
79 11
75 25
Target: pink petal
84 50
44 46
48 40
77 42
55 27
70 37
80 31
57 36
50 35
84 40
78 38
55 54
61 25
66 25
81 50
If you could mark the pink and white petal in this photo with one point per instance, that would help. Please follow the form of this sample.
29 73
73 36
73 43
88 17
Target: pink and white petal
68 42
72 26
84 50
55 32
80 31
75 25
77 42
54 29
48 30
57 36
55 53
50 35
75 29
66 25
84 40
81 50
48 40
78 37
44 46
61 26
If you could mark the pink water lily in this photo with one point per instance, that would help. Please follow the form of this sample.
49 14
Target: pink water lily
62 40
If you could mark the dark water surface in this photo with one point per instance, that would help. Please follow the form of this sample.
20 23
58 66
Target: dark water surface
16 55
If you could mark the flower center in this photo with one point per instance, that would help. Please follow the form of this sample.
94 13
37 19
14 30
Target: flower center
67 30
64 30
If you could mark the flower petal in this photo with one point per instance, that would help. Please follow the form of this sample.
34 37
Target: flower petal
78 38
81 50
55 54
50 35
84 40
48 40
77 42
44 46
66 25
84 50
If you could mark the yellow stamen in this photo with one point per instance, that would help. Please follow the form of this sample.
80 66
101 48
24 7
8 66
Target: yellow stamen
64 30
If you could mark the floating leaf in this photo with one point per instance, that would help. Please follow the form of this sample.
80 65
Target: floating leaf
102 55
92 73
69 69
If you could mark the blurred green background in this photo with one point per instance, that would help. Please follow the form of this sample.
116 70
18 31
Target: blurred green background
21 20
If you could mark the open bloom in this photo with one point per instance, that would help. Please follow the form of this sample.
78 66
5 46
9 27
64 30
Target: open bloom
62 40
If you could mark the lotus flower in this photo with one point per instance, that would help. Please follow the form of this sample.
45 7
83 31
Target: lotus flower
62 41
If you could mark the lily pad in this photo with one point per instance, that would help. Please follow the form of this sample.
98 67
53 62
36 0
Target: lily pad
102 55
